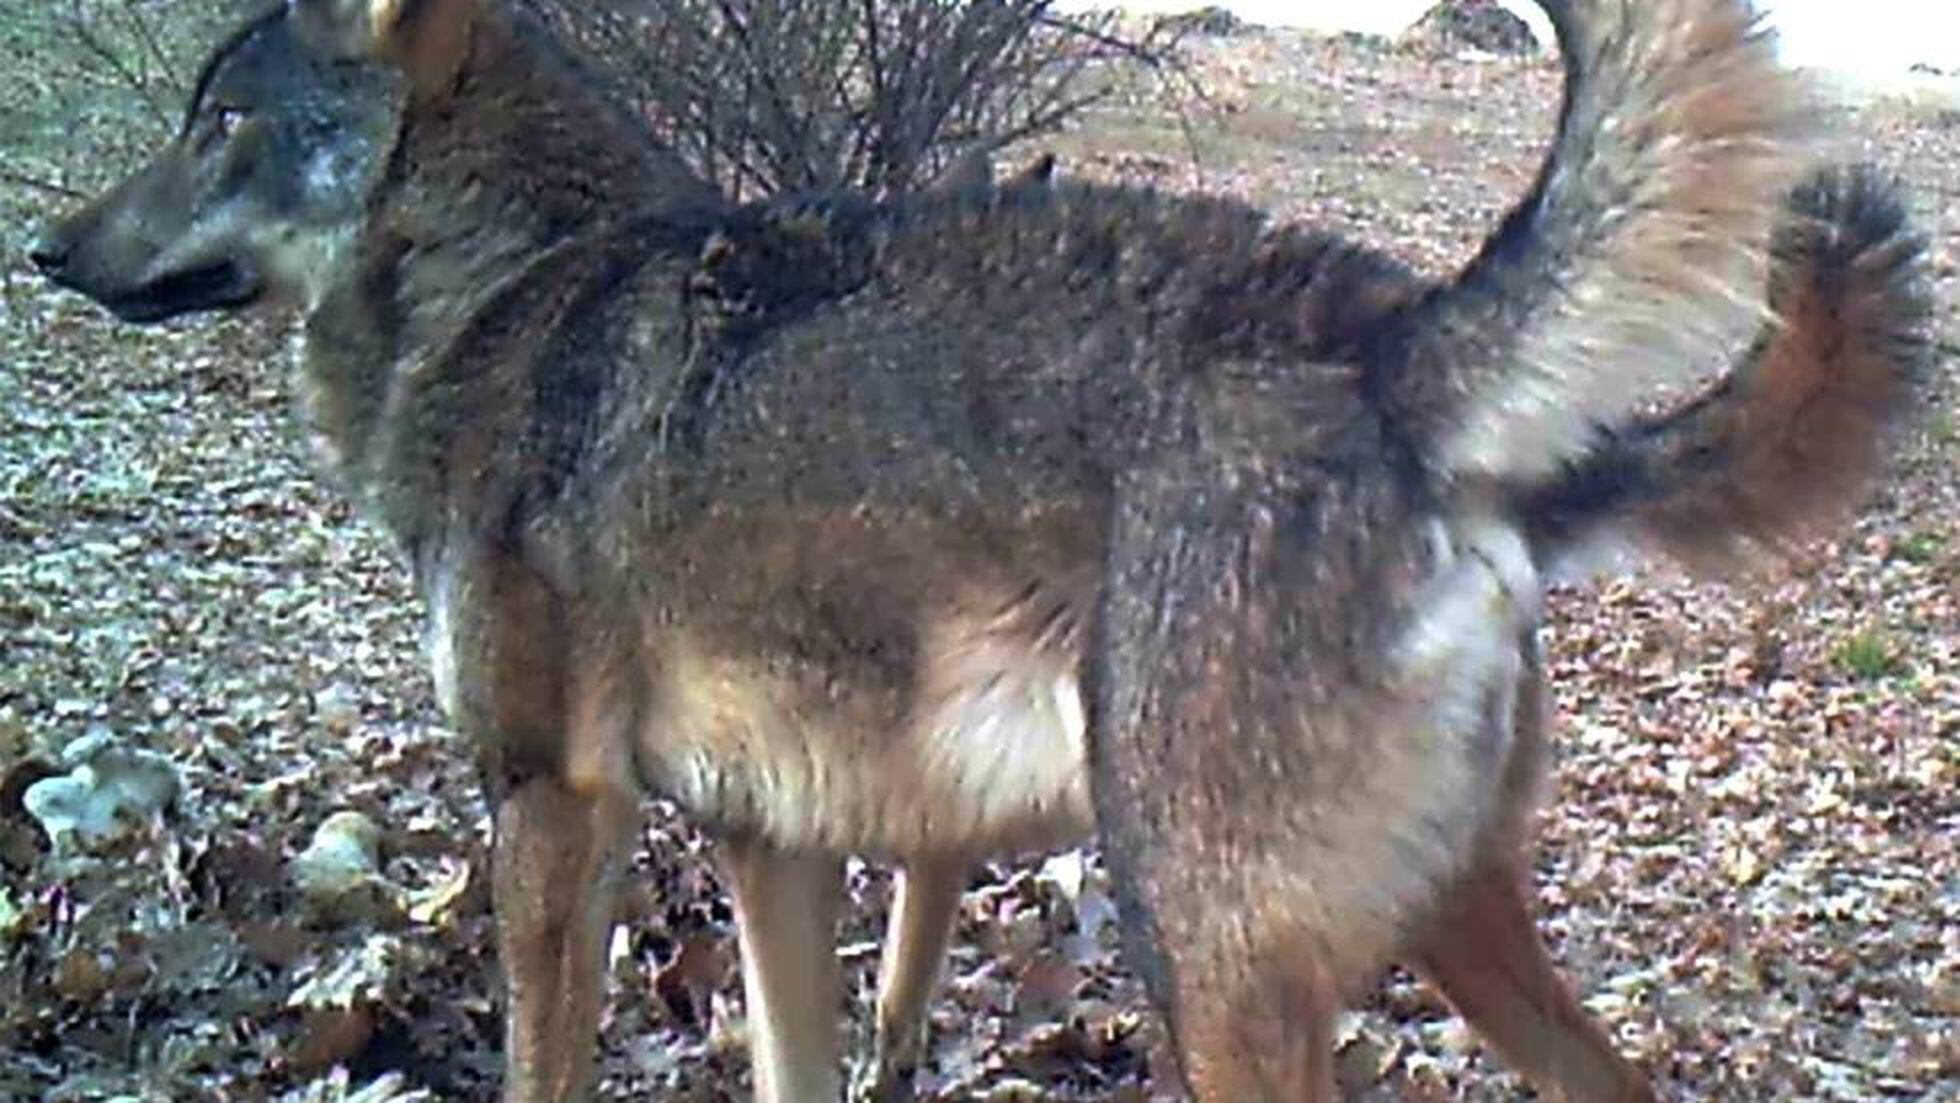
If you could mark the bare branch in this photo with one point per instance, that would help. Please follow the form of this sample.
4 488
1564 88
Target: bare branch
84 30
51 187
773 96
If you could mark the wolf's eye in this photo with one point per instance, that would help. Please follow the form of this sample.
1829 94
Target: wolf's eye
216 125
226 119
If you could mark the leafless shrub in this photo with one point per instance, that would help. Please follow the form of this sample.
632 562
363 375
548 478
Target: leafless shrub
772 96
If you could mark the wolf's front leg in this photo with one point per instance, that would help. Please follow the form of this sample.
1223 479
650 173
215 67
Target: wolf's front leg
786 906
558 853
527 674
915 949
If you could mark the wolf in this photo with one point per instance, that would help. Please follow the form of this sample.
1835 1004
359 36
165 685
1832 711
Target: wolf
965 523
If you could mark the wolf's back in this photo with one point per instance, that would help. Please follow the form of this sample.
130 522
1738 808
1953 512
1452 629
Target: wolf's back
1634 258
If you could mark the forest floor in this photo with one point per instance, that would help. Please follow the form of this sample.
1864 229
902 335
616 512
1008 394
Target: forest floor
1749 862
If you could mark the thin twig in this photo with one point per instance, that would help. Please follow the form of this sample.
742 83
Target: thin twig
79 23
52 187
146 34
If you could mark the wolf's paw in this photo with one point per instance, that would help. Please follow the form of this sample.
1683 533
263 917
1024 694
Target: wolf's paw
876 1081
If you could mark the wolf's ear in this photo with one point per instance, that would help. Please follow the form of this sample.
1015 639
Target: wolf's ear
426 39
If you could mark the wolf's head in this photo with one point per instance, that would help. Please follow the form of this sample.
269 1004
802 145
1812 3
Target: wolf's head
288 152
264 182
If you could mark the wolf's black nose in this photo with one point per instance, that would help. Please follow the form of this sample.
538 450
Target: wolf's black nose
49 256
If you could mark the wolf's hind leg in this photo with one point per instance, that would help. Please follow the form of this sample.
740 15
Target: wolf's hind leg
915 948
1482 950
558 852
786 907
1262 1035
1268 822
1480 945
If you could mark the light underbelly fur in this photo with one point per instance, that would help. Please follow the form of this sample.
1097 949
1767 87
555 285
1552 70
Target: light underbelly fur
986 757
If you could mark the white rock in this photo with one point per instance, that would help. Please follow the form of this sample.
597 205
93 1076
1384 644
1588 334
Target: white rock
344 856
106 787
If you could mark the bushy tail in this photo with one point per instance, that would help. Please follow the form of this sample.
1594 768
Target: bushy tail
1636 254
1786 443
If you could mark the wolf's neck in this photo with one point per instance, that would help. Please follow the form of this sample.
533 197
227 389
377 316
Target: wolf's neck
500 198
524 153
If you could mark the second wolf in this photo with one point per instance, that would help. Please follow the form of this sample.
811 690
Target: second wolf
874 551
